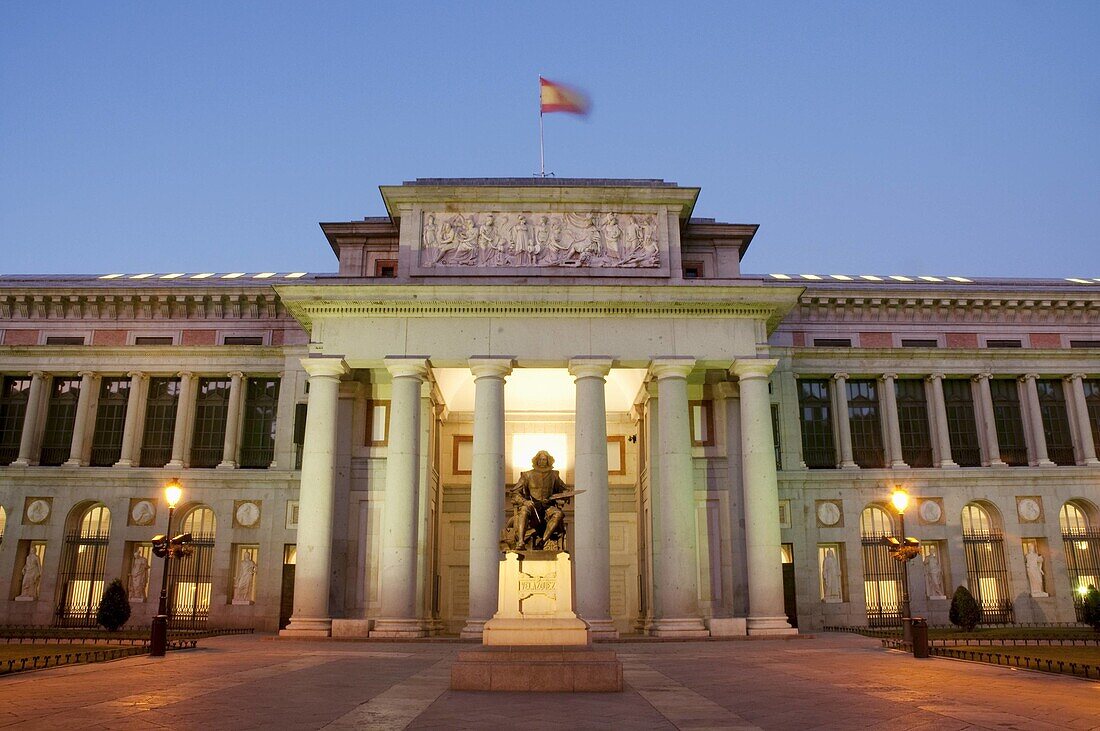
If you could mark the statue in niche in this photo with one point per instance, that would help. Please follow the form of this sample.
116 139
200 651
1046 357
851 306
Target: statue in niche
538 518
139 576
933 576
830 574
32 576
242 584
1033 562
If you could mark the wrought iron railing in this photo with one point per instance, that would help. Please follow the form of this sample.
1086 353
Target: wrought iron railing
9 454
917 456
1061 456
204 457
155 456
987 575
105 456
53 456
257 458
869 457
819 458
967 456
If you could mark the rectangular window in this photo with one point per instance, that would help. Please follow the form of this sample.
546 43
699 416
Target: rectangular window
702 423
64 340
1052 407
110 421
693 269
378 423
261 406
60 420
13 408
832 342
385 268
919 343
243 340
866 423
300 411
211 408
1009 421
775 437
160 421
962 427
916 439
1092 403
1084 343
1004 344
817 423
154 340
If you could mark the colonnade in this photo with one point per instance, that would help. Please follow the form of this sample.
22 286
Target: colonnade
84 419
675 608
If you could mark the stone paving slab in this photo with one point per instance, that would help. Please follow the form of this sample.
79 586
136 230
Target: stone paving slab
829 682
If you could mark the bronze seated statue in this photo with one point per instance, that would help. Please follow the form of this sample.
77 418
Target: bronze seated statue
538 499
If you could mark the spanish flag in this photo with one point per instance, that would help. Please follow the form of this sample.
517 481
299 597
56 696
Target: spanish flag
561 98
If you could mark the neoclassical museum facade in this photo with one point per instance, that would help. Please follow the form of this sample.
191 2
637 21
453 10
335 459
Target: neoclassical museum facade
345 440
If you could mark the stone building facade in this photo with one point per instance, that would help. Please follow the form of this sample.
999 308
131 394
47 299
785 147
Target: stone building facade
345 440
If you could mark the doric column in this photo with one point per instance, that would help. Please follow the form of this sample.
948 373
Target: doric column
592 537
31 420
992 447
939 421
129 426
1040 458
185 406
843 425
675 567
486 489
399 616
233 422
88 381
1084 426
761 490
893 429
316 497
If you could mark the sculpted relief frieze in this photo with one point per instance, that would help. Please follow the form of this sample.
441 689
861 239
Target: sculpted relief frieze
515 240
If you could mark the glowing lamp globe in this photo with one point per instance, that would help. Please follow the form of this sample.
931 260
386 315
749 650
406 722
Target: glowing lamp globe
173 491
900 499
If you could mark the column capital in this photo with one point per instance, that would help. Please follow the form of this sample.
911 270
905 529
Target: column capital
87 374
488 366
137 374
935 376
236 374
748 368
590 366
840 376
888 377
411 366
185 374
37 374
671 366
983 376
1077 376
325 366
1029 377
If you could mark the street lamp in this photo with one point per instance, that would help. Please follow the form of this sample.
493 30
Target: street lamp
158 640
903 550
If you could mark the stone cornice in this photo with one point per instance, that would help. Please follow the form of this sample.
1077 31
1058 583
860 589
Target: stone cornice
977 307
906 362
126 305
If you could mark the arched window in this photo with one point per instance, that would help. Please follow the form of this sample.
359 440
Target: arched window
881 573
985 564
1082 545
3 522
190 578
83 564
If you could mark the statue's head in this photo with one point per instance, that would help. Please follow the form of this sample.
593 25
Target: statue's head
542 460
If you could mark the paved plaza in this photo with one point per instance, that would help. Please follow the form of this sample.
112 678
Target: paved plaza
824 682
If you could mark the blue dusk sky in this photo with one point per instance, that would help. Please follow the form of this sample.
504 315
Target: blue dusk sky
874 137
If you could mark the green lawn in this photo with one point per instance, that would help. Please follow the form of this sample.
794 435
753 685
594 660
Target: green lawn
1019 633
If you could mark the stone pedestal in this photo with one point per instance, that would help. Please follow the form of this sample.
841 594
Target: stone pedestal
535 602
552 669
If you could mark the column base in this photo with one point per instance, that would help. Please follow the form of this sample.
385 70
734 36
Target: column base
948 464
770 626
73 463
679 627
997 463
602 629
308 627
174 464
899 465
1043 463
226 466
124 463
849 466
473 629
21 463
398 629
1091 463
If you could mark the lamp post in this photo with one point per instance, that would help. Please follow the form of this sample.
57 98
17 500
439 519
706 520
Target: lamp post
900 499
158 640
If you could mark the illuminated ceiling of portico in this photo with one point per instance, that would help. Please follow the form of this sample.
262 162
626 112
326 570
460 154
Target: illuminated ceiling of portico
539 389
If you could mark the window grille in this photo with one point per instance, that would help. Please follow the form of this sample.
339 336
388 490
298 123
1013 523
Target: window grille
1084 343
160 421
190 577
110 421
1004 344
154 340
1092 405
832 342
258 430
775 437
1082 546
64 340
985 566
300 413
882 580
1009 421
865 423
57 439
1052 408
83 565
818 451
962 427
919 343
13 409
211 408
243 340
916 439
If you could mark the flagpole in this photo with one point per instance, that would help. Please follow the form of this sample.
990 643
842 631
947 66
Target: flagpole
542 149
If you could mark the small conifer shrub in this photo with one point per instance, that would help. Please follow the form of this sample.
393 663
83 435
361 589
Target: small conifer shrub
965 611
114 607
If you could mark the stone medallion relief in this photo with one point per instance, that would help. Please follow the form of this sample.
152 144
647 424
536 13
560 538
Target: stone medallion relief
524 239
